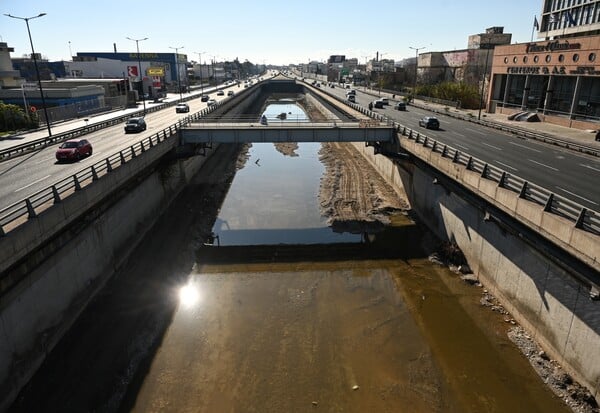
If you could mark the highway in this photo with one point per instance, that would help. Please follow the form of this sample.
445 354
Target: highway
23 176
567 173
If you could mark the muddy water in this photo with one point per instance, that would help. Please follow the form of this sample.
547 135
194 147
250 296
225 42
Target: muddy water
267 325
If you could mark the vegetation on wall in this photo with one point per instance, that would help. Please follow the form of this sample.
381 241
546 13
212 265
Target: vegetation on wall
467 94
12 118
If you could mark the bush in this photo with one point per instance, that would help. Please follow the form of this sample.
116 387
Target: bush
467 94
12 118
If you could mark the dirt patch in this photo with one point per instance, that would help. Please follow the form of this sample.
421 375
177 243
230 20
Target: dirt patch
352 195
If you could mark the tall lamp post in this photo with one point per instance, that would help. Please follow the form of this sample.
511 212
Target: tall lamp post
200 63
37 70
177 66
379 73
487 55
416 49
137 46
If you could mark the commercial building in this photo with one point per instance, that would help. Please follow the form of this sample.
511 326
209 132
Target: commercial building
557 78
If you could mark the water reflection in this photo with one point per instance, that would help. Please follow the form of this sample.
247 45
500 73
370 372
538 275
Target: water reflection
285 111
274 200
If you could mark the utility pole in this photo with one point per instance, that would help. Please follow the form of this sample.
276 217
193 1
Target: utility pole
137 46
177 68
416 49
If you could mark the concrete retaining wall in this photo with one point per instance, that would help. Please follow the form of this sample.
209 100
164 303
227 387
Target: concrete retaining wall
546 300
36 313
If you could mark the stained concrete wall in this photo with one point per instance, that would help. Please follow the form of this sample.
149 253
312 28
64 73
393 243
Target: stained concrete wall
541 296
42 307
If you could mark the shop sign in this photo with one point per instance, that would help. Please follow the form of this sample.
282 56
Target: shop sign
585 70
551 47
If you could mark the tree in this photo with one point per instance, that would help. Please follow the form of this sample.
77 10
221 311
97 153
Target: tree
13 117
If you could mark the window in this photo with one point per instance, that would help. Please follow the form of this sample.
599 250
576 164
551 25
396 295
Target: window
506 60
576 57
561 58
536 58
592 57
515 59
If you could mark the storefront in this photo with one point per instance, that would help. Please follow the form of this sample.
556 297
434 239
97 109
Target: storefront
558 79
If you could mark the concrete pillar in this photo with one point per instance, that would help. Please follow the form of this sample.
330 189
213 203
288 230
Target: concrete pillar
506 89
526 92
575 97
549 91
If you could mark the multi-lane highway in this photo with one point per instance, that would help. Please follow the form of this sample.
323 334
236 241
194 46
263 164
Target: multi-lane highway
564 172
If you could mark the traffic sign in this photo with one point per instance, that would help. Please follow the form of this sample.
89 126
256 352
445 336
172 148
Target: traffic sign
32 109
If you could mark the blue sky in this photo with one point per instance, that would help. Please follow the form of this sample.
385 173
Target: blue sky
273 32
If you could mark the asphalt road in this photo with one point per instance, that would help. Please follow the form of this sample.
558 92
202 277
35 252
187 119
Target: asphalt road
564 172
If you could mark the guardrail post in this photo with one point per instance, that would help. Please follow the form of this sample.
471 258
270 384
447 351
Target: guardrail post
150 141
502 179
579 223
434 146
94 174
132 151
523 191
548 205
455 157
484 171
76 181
55 194
142 146
470 163
122 157
30 210
108 166
445 151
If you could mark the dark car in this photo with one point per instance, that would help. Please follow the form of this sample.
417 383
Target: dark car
182 108
220 93
230 93
135 125
378 104
429 122
400 106
73 150
204 98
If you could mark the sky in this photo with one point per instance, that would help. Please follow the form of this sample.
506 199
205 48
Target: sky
270 32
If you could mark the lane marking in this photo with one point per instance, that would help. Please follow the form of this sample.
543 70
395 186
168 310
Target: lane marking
589 167
462 146
542 164
506 166
475 131
571 193
525 147
491 146
33 183
459 134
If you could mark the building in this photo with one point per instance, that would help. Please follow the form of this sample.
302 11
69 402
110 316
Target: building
8 76
557 78
465 65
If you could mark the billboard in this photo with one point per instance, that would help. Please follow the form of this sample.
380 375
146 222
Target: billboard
156 71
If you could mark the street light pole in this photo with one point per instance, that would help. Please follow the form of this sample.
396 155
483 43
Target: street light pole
177 66
379 72
37 70
200 63
487 55
416 49
137 46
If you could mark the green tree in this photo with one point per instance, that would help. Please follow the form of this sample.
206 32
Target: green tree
12 118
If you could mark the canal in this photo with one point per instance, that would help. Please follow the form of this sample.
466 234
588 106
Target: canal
283 314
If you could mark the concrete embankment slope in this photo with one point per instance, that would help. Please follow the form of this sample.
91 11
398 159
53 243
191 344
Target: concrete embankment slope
66 272
541 294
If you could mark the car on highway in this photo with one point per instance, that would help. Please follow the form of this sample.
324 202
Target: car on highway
429 122
220 93
351 92
230 93
182 108
204 98
400 106
378 104
385 101
73 150
351 98
212 102
137 124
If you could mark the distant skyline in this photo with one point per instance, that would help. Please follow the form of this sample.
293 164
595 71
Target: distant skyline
270 32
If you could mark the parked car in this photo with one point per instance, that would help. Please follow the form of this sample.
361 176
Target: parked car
135 125
204 98
73 150
400 106
378 104
429 122
220 93
182 108
212 102
230 93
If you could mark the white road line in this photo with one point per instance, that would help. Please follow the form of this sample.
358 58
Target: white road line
491 146
589 167
506 166
525 147
462 146
571 193
542 164
476 131
33 183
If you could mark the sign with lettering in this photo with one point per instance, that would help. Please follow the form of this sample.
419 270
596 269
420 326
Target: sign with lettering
552 46
551 70
156 71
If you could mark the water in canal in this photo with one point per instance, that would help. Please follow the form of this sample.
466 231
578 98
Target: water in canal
288 316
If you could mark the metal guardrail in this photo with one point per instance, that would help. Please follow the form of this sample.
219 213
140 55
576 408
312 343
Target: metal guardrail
582 217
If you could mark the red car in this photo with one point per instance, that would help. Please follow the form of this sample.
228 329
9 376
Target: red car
73 150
